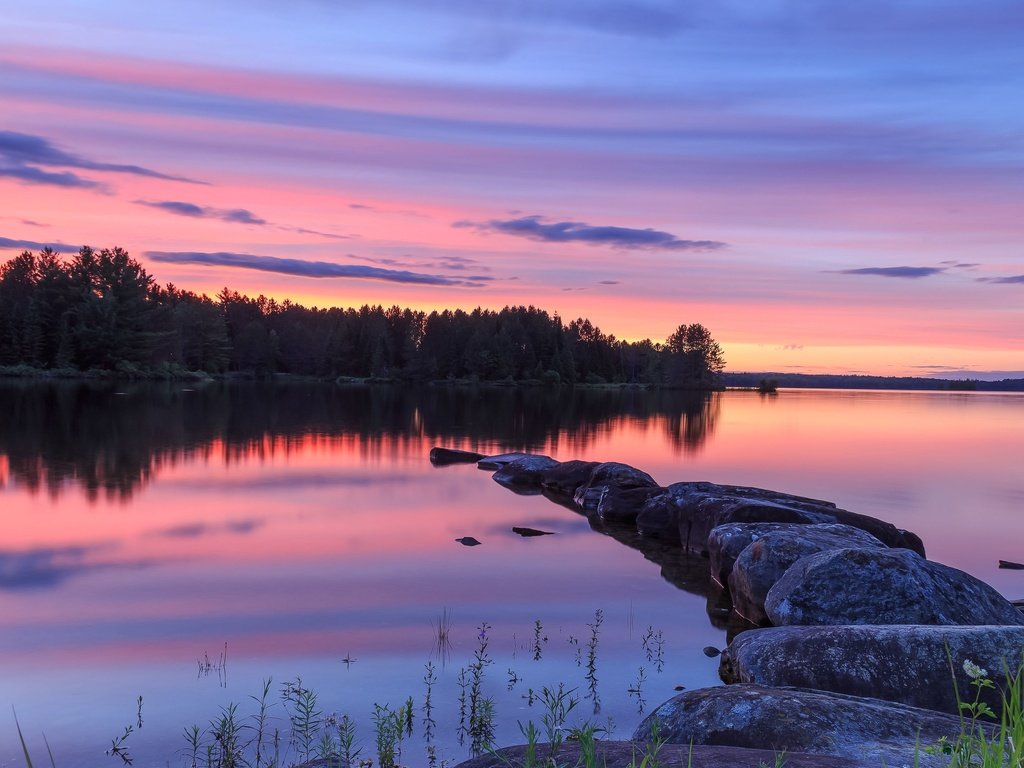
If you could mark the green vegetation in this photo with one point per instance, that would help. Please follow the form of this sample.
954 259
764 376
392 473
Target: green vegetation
99 311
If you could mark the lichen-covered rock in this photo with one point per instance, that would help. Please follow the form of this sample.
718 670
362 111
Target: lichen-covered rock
913 665
442 456
687 512
798 720
624 754
883 586
763 562
725 542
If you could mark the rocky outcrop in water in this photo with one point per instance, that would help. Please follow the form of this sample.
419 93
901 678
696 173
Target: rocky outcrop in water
763 562
445 456
883 586
913 665
797 720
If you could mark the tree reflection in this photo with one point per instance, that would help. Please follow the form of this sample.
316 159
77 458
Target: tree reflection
111 438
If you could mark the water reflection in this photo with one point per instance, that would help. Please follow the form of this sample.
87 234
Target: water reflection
110 439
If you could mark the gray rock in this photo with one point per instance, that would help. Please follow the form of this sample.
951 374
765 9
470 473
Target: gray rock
687 512
765 560
443 456
883 586
615 492
501 459
798 720
725 542
906 664
623 754
525 473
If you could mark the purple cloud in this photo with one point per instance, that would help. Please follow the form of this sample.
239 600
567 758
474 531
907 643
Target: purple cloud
1011 280
181 208
24 152
536 228
315 269
7 243
902 272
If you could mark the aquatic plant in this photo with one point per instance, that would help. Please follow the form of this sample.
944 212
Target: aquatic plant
654 647
537 630
591 675
637 689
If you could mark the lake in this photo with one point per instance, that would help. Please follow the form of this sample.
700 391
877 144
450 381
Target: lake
150 529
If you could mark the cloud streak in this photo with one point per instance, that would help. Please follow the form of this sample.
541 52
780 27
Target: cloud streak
907 273
1009 280
314 269
7 243
537 228
26 157
181 208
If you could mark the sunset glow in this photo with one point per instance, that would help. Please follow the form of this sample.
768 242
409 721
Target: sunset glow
827 191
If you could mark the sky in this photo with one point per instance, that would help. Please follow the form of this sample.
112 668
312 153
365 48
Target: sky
827 186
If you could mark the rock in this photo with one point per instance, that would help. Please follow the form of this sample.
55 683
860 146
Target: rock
564 479
444 456
525 473
615 492
501 459
883 586
1011 565
725 542
622 754
468 541
766 559
905 664
710 651
529 532
797 720
687 512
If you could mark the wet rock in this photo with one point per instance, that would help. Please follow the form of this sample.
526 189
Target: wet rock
883 586
797 720
687 512
524 473
444 456
763 562
615 492
468 541
622 754
530 532
501 459
710 651
905 664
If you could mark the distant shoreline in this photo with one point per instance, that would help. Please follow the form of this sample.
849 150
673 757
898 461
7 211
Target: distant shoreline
739 381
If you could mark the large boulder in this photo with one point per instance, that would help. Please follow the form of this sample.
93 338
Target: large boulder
766 559
624 754
883 586
798 720
913 665
687 512
524 475
725 542
615 492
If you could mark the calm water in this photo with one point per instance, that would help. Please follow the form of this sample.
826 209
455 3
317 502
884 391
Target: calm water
146 527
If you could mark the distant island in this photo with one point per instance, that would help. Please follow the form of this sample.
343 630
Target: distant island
100 313
754 380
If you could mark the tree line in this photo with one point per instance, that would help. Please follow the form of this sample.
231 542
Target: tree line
99 309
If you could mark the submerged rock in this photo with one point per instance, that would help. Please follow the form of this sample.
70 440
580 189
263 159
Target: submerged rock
623 754
913 665
795 720
883 586
530 532
443 456
468 541
763 562
688 512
